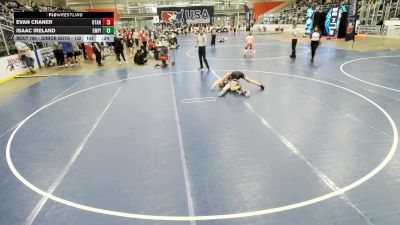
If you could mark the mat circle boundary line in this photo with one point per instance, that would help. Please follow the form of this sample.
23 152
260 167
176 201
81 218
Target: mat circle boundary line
364 81
342 190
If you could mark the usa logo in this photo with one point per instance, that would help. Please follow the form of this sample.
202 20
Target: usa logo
172 17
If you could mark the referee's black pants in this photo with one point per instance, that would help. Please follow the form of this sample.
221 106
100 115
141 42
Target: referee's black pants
202 56
213 37
294 43
314 46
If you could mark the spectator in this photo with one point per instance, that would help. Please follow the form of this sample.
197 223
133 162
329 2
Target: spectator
213 35
25 55
68 51
82 47
163 45
295 34
58 54
140 57
136 37
143 40
119 49
97 51
77 53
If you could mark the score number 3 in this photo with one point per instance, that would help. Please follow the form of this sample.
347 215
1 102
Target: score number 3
108 21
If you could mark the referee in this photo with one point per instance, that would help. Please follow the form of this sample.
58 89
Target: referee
201 44
295 34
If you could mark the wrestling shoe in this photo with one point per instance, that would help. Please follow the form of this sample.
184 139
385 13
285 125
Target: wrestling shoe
222 93
246 93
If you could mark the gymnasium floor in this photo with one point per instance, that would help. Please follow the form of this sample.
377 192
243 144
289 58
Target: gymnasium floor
152 146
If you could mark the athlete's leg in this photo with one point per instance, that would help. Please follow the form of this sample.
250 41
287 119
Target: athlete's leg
235 86
215 84
225 89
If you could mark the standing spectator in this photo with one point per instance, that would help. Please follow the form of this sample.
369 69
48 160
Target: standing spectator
315 41
143 40
58 54
136 37
82 47
97 51
129 43
295 34
152 35
25 55
213 35
68 50
77 53
201 44
119 49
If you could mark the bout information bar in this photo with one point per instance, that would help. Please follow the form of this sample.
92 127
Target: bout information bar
64 26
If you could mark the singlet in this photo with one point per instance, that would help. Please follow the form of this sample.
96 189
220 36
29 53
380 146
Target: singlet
128 35
236 75
143 37
249 40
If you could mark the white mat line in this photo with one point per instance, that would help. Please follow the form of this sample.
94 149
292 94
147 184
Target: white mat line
322 176
391 64
53 99
197 100
184 164
325 179
35 212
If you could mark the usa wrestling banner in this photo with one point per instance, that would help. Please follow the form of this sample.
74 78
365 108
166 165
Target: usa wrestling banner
178 16
351 20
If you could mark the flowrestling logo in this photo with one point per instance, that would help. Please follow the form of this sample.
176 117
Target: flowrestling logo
189 15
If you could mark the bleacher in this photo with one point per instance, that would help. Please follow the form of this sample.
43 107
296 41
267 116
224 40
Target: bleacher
370 11
7 8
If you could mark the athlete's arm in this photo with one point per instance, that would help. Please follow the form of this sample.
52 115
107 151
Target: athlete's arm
246 78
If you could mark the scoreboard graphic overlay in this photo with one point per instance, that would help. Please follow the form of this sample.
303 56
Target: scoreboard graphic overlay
64 26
